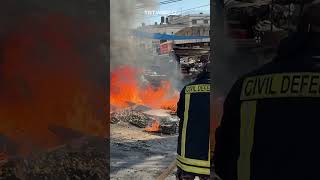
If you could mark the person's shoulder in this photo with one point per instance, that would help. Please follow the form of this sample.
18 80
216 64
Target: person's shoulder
187 85
199 81
195 82
264 69
202 80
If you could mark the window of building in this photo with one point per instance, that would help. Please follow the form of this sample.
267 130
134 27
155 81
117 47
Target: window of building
206 21
194 21
204 32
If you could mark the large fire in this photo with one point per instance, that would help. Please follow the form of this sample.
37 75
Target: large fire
126 88
49 81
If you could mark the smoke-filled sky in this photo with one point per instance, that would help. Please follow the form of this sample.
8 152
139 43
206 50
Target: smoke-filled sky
180 7
125 49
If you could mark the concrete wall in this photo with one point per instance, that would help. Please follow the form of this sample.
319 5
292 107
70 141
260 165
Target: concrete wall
194 31
199 20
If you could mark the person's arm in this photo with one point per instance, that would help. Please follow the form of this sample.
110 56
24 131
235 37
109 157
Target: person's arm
181 104
180 114
227 136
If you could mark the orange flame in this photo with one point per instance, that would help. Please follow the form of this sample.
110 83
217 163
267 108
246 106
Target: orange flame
155 127
125 88
46 80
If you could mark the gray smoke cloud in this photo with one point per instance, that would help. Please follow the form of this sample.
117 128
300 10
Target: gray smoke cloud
124 16
125 49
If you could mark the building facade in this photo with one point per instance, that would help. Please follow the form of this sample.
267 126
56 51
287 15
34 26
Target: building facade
190 20
181 25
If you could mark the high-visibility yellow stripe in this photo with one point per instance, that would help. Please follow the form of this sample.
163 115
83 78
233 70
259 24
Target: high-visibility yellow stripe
185 124
248 113
281 85
195 162
192 169
209 152
199 88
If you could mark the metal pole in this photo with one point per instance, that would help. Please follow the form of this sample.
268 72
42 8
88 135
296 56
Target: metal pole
271 20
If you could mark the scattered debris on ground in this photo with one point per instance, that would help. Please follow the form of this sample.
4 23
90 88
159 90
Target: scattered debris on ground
133 117
85 158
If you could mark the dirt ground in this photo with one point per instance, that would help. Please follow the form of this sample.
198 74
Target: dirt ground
136 154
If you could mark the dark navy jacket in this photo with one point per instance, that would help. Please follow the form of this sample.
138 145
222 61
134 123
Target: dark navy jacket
271 123
194 127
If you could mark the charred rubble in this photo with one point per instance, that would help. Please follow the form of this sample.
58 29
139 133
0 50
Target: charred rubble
167 121
86 158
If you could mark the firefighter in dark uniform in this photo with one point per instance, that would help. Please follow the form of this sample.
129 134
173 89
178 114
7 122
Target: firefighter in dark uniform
271 122
193 152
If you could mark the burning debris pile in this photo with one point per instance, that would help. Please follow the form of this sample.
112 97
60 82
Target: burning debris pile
169 125
140 84
84 159
162 122
135 103
153 121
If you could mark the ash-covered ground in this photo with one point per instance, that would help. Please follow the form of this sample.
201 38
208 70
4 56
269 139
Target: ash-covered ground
85 158
136 154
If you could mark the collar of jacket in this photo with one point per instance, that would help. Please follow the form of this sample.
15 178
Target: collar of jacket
203 76
299 46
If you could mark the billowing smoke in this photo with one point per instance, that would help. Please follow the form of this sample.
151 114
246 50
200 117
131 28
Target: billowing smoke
125 15
126 49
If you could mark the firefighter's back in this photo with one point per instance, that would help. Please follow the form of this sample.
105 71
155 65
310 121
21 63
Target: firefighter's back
280 108
270 125
193 142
